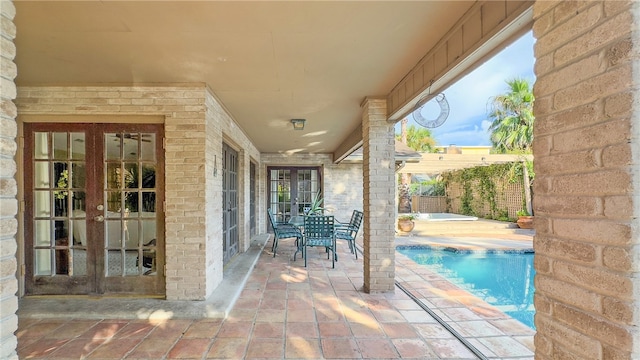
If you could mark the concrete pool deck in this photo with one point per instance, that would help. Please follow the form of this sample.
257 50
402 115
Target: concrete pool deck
481 242
467 235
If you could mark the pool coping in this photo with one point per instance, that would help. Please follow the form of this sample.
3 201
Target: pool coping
465 250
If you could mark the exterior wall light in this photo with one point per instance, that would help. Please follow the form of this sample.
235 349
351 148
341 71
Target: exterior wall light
298 124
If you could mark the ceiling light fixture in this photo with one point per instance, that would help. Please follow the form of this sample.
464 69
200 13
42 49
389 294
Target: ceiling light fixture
298 124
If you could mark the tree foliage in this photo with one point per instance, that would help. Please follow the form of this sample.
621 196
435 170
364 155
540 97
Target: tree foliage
512 118
418 138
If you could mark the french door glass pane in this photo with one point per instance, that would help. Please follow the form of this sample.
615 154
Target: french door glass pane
77 146
131 175
78 177
58 195
41 145
42 258
42 231
307 188
42 203
127 238
148 147
130 147
112 147
41 174
79 263
148 180
114 178
281 194
60 143
133 268
148 203
147 231
114 263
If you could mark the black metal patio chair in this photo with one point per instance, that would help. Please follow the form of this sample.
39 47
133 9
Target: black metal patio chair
349 231
283 231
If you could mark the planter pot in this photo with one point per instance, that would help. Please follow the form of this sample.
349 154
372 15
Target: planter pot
406 225
525 222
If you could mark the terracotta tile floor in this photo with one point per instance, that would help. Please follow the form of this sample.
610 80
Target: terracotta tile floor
286 311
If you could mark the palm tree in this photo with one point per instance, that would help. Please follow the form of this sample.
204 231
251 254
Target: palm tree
419 139
512 118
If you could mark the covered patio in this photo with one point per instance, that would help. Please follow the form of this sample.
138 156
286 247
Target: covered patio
285 310
199 96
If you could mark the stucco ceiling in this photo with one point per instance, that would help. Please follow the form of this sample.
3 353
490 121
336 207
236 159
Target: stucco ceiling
267 61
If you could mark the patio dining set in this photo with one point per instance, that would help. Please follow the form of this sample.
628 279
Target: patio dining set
316 231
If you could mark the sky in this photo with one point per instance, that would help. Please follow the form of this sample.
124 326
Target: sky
468 98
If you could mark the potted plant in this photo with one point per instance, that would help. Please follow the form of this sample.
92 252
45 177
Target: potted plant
525 220
405 222
315 207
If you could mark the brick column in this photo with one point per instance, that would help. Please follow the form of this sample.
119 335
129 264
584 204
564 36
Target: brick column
378 169
8 187
587 187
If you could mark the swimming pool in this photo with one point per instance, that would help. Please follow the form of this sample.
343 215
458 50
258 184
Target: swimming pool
445 217
502 279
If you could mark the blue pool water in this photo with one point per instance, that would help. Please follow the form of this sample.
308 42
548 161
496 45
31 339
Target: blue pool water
504 280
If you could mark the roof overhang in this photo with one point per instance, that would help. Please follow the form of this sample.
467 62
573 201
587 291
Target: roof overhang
438 163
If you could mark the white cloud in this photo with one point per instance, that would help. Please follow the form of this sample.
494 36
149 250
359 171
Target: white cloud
485 125
468 98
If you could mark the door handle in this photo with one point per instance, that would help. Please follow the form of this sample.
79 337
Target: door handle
99 218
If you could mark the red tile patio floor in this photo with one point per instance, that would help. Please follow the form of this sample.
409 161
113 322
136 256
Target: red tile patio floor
287 311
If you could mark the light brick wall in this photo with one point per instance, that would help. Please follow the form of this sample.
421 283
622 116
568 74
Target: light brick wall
235 137
8 187
587 148
379 196
213 194
194 126
185 161
344 185
221 128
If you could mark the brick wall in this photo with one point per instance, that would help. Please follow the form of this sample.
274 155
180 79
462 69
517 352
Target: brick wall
586 147
222 129
8 187
213 213
343 184
235 137
195 124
